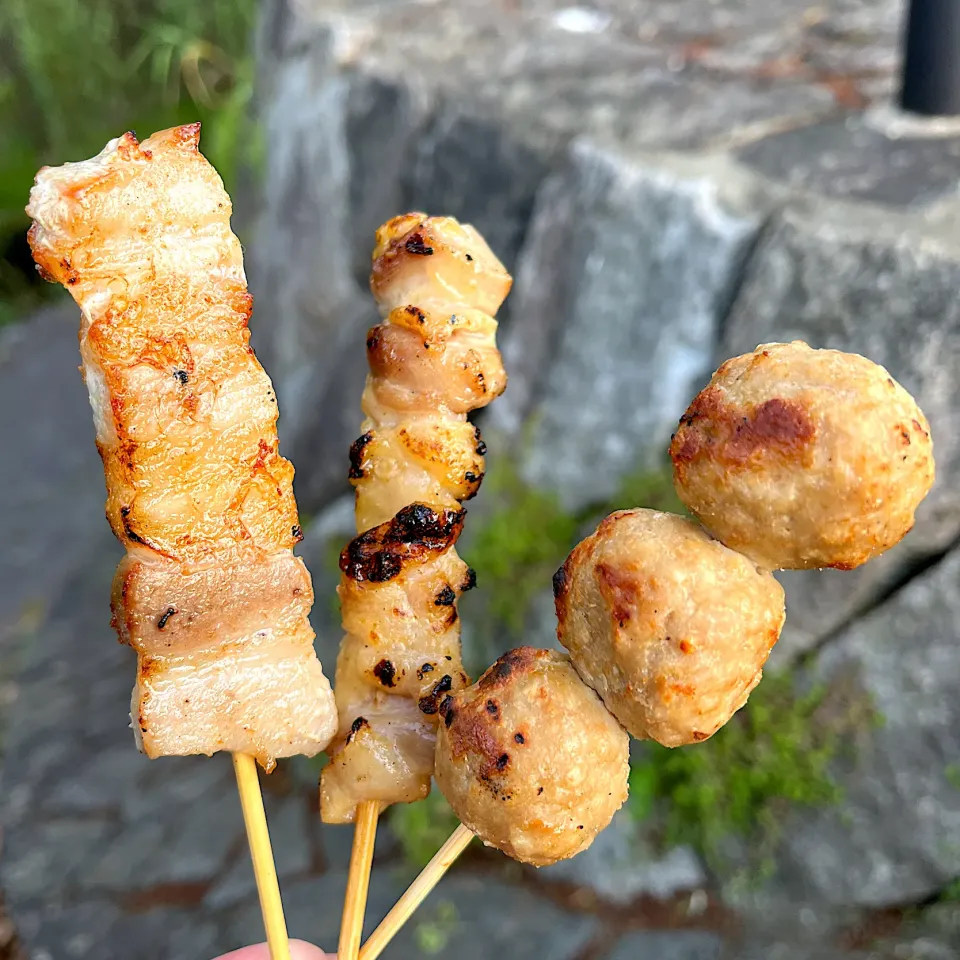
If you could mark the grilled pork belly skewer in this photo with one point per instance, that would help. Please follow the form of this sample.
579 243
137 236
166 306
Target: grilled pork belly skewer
432 360
209 593
670 627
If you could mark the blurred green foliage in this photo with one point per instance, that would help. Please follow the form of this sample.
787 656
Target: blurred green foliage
423 827
434 932
526 535
952 773
76 73
652 489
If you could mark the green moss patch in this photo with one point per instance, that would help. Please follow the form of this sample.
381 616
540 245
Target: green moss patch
517 546
774 754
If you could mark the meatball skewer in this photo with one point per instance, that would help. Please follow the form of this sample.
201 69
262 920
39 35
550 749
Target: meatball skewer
432 360
671 627
667 632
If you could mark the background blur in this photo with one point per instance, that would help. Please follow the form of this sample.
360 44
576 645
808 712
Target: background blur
671 182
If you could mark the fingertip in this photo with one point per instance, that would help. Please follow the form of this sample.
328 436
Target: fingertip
299 950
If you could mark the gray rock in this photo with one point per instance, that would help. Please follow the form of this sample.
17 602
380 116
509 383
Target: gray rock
883 284
624 324
361 125
53 486
556 79
337 841
161 934
173 781
486 918
313 907
44 860
481 915
96 929
895 837
478 170
77 931
310 314
669 945
541 628
853 159
99 784
330 531
622 864
197 839
290 821
771 924
932 933
781 948
80 822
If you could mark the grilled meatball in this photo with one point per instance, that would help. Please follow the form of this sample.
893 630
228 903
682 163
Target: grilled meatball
804 458
529 758
670 627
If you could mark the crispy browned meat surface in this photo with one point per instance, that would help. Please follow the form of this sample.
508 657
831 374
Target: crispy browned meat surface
432 360
670 627
804 458
210 594
530 759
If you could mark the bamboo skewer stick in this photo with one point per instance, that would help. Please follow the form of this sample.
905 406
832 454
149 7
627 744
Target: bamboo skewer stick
416 893
358 880
264 868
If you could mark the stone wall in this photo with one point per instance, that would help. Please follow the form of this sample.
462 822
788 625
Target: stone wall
671 184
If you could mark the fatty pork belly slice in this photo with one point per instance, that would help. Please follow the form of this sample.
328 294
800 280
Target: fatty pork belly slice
399 660
225 658
186 425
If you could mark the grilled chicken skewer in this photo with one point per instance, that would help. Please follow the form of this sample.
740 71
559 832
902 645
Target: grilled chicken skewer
209 593
670 627
432 360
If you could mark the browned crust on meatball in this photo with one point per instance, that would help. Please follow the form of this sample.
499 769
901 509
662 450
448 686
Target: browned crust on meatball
711 427
471 722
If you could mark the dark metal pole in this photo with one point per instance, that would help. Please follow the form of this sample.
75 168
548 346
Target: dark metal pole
930 84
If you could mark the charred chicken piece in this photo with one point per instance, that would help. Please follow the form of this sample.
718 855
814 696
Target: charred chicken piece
400 658
432 360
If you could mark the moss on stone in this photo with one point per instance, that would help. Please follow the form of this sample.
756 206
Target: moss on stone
525 536
435 931
774 754
517 546
331 562
952 773
649 488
